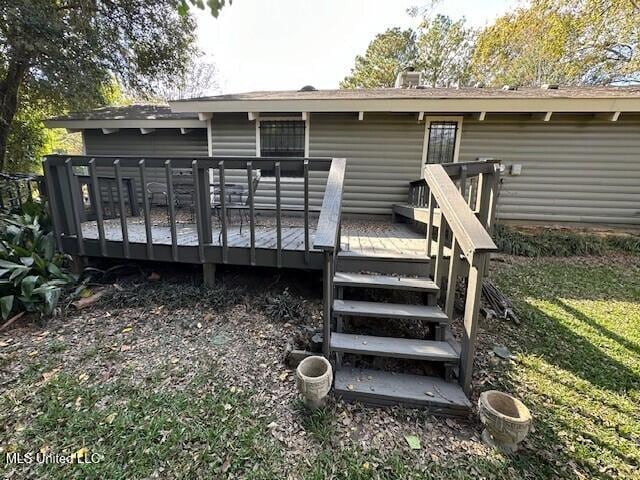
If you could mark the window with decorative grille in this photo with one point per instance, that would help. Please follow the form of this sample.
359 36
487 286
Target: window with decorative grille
281 138
442 142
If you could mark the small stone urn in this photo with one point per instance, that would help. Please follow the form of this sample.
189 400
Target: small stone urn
506 420
314 377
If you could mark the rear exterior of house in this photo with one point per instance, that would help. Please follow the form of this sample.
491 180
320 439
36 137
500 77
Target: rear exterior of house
284 179
570 155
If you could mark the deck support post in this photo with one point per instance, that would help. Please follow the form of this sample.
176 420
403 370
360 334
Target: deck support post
209 274
78 263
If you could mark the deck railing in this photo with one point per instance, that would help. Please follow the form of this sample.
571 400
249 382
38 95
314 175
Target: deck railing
328 239
461 201
76 181
18 188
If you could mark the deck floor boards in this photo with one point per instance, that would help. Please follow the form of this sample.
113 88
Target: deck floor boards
359 237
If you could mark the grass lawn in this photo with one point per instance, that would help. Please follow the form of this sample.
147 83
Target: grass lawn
161 388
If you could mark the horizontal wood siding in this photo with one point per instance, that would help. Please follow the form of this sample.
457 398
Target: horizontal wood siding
162 142
383 154
572 171
234 135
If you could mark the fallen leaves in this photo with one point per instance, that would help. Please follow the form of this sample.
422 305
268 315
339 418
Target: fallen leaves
413 442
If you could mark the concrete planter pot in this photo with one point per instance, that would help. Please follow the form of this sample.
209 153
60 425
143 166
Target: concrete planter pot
506 420
314 377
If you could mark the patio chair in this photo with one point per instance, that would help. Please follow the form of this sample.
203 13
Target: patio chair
237 197
160 189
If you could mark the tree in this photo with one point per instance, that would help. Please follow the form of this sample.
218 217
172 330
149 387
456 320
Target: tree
444 51
562 41
440 49
64 52
197 80
387 54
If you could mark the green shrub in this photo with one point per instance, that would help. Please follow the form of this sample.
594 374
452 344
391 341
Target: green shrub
31 273
561 243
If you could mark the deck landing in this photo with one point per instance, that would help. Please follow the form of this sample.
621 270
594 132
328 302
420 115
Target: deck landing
375 238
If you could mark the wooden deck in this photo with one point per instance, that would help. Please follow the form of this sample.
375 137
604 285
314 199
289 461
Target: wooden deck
371 238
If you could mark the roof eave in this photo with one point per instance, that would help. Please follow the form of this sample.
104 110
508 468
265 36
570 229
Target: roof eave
86 124
449 105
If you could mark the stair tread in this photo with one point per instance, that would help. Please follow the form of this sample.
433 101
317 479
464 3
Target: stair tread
393 347
386 388
358 308
345 279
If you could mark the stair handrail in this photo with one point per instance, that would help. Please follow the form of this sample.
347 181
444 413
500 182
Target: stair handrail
327 239
469 221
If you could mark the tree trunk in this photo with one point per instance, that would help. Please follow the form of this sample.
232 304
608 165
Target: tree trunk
9 87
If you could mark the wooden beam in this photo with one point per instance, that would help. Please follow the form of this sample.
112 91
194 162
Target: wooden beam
305 116
547 116
253 116
74 130
204 116
184 131
615 116
108 131
360 116
482 116
145 131
420 116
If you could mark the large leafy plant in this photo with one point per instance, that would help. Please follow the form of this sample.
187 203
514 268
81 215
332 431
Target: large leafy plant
31 273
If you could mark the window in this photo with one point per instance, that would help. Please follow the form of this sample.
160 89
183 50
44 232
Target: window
442 143
282 138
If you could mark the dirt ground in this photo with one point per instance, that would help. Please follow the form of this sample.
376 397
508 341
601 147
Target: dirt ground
144 327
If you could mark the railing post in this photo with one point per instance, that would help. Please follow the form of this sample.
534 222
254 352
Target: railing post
252 220
74 210
53 192
123 210
171 207
223 211
147 209
328 301
471 308
97 205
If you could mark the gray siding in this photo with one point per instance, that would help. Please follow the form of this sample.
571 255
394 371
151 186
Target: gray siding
162 143
572 170
383 154
234 135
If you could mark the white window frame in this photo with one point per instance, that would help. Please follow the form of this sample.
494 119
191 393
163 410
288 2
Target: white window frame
441 118
305 118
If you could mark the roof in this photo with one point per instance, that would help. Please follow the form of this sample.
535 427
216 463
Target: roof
193 112
433 100
422 93
143 116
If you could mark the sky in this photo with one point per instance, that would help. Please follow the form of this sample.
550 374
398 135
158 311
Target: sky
286 44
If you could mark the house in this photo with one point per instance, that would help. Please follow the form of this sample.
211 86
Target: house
390 189
571 154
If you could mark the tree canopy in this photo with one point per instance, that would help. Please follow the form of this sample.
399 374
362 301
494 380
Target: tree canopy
571 42
63 53
387 54
439 48
562 41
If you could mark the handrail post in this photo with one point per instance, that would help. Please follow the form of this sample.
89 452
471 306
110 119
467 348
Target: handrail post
328 240
477 267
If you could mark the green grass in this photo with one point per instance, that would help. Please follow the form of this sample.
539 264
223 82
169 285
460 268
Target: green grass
578 360
577 368
201 432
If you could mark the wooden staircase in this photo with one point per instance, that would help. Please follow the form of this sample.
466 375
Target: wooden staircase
378 359
383 387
